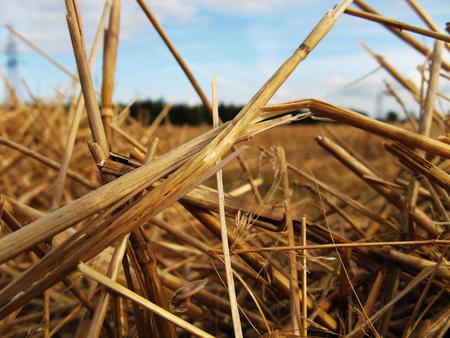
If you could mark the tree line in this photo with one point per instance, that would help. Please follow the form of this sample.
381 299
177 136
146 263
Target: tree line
180 113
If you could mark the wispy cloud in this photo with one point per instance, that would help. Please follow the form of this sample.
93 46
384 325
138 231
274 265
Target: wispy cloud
244 42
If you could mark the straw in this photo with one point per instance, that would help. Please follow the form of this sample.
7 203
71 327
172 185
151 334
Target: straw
392 196
104 298
430 98
60 183
363 122
425 17
102 279
418 279
224 236
401 26
175 53
77 38
408 114
296 312
109 67
40 51
404 36
48 162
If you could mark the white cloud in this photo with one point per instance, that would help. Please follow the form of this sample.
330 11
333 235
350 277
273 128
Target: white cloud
43 22
181 11
261 35
248 7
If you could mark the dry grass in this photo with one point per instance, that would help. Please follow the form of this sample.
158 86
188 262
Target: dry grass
342 230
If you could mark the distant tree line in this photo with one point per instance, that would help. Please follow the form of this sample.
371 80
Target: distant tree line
180 114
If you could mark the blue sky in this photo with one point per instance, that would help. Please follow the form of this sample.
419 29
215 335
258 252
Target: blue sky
243 42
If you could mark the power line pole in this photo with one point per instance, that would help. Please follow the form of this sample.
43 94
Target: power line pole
12 62
12 73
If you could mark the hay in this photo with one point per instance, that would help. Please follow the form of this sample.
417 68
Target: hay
140 243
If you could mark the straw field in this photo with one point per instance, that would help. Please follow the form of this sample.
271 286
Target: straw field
249 228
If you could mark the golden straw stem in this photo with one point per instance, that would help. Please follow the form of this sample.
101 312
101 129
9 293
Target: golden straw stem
397 24
128 137
66 320
337 246
14 225
46 314
48 162
341 196
408 114
138 315
404 36
278 78
120 314
217 147
293 273
102 197
70 144
109 68
404 82
6 322
370 302
105 296
304 280
366 123
419 164
102 279
223 226
77 36
203 296
418 279
430 99
258 262
149 132
147 261
426 18
391 195
175 53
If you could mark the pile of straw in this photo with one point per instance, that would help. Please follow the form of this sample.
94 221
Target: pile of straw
136 245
